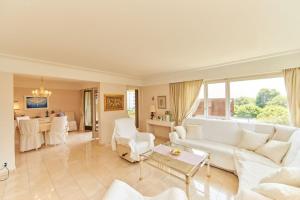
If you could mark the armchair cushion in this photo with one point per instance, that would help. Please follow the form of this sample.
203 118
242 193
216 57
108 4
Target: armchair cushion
145 136
122 191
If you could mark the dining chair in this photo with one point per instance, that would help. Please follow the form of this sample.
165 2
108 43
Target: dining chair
58 131
72 125
21 118
30 137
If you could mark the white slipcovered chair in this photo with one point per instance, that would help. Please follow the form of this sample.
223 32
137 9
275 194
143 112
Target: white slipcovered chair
121 191
21 118
30 137
128 141
58 131
71 121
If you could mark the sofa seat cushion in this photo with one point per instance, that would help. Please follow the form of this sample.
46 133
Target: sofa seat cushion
251 173
278 191
250 195
284 175
221 154
245 155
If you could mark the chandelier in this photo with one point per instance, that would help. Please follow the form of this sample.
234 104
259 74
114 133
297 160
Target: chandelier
41 92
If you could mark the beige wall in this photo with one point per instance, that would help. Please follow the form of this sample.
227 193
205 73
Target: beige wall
107 118
7 147
147 93
60 101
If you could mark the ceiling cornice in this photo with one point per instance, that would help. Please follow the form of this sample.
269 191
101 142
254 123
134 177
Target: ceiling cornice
261 64
29 66
274 63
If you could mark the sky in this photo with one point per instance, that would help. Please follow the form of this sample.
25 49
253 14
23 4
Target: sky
248 88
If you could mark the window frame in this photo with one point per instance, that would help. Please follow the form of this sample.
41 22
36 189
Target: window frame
227 92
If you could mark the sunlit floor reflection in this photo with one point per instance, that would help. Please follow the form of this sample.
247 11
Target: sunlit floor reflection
83 169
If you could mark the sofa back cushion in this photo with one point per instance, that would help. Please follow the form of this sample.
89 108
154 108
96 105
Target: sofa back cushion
264 128
296 161
223 131
194 131
293 155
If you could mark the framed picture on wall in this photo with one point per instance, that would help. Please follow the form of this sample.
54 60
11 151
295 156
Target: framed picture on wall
36 102
161 102
113 102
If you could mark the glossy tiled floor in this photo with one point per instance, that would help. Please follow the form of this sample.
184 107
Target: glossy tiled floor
84 169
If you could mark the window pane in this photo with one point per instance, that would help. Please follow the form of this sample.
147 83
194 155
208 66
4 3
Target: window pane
131 103
216 99
200 109
261 100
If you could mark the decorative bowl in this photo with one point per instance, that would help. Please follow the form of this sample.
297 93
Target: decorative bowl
175 152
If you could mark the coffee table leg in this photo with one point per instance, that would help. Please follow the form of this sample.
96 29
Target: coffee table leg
208 166
141 174
187 186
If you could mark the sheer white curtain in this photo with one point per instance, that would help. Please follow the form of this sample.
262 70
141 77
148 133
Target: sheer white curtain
183 96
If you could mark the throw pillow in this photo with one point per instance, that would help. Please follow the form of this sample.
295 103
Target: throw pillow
194 132
181 132
252 140
275 150
278 191
285 175
283 133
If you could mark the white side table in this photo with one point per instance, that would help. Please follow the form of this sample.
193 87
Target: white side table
152 123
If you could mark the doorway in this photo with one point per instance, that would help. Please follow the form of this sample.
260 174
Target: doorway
133 105
91 111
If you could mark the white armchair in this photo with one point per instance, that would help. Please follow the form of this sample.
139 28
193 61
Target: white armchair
121 191
128 141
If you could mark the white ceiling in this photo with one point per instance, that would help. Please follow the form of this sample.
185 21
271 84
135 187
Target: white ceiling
142 38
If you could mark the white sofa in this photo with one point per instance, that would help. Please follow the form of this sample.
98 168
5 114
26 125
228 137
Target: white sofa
221 138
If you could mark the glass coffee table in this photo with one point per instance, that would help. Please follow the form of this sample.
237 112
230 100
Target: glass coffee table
183 166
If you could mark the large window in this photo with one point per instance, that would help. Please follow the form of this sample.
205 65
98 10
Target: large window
260 99
131 103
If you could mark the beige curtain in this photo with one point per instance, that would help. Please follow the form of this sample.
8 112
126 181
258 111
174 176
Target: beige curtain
292 85
182 97
81 124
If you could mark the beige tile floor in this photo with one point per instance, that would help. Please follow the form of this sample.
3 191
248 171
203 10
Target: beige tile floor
83 169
